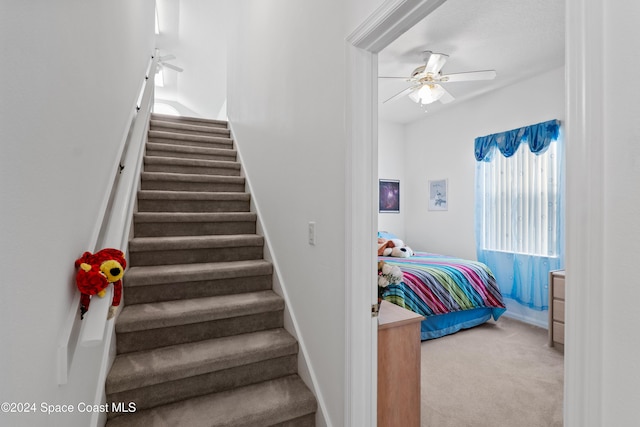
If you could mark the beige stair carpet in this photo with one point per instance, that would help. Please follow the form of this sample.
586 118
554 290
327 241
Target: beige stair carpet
200 341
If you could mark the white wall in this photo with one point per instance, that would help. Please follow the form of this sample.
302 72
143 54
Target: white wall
621 178
391 155
286 106
204 25
71 72
195 31
441 146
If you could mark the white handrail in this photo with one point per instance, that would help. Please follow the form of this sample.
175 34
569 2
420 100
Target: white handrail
114 229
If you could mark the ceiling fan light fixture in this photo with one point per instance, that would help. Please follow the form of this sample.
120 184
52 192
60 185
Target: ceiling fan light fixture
427 94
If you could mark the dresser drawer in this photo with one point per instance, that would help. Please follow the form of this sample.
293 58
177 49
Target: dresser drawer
558 332
558 287
558 310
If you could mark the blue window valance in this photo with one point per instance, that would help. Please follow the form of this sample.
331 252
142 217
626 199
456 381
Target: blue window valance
538 136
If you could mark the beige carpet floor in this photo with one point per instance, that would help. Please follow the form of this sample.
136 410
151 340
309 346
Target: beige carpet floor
500 374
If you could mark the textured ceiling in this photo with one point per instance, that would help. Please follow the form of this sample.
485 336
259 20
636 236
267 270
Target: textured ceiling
518 39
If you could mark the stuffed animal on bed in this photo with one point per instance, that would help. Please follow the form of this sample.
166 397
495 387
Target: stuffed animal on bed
95 272
401 252
394 248
388 274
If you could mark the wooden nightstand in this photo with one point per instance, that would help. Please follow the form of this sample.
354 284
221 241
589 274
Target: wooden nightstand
556 309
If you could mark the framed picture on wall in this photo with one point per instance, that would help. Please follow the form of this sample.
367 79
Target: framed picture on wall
389 195
438 195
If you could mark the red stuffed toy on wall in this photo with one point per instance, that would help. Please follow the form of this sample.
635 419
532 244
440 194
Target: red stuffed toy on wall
95 272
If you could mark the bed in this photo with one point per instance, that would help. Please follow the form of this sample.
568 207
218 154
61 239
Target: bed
451 293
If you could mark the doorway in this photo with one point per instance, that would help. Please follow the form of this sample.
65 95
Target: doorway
583 351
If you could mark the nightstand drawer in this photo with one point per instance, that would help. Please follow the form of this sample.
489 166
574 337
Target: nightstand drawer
558 310
558 287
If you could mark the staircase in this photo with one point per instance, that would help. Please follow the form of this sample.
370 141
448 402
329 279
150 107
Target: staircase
200 341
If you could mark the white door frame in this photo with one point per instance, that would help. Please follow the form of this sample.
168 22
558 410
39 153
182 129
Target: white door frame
392 19
585 207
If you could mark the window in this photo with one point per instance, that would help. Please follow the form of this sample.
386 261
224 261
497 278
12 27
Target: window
520 203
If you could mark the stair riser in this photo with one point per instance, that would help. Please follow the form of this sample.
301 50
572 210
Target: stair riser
188 256
225 143
211 131
198 289
160 394
153 338
166 229
200 170
187 155
193 205
191 186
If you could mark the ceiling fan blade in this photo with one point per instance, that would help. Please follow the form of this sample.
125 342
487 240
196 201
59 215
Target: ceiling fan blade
446 96
168 57
434 62
403 92
469 76
173 67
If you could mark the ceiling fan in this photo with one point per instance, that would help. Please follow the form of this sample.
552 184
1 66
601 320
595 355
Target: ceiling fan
426 80
162 62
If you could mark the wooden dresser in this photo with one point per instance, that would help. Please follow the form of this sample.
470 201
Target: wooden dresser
398 366
556 309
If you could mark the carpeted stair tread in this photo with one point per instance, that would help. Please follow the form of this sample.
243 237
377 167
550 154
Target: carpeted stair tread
189 120
192 195
191 177
177 161
182 217
149 224
265 404
172 136
161 274
169 149
194 242
144 368
140 317
186 127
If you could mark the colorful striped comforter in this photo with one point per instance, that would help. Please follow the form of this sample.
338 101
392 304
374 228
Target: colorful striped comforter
437 284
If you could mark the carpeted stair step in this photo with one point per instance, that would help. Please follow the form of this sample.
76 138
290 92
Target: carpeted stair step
162 224
146 326
189 128
187 152
284 402
190 140
197 166
192 201
190 120
171 282
194 249
191 182
183 364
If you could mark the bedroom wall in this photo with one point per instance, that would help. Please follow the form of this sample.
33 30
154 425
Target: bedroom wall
441 147
391 166
71 73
